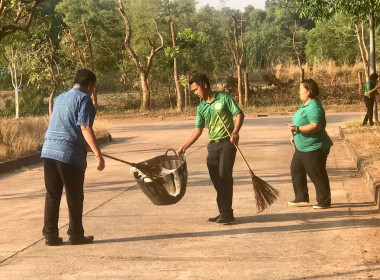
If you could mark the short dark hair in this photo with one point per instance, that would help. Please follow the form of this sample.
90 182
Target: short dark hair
84 77
312 87
373 77
199 79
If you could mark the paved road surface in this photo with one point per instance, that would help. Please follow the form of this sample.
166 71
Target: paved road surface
138 240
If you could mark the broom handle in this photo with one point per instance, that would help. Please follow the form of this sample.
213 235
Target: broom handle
117 159
237 147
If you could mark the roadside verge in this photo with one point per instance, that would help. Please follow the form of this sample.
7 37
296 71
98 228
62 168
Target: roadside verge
372 182
22 162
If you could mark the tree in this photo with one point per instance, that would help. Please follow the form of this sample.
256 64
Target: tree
175 72
357 10
238 53
142 71
16 15
16 60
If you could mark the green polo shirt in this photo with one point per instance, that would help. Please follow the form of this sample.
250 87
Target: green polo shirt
369 86
207 117
312 112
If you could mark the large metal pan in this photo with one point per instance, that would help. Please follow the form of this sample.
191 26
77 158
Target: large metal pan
175 179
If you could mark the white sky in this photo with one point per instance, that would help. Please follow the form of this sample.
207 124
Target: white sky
235 4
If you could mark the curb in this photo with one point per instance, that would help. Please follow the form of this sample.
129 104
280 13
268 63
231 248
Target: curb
14 164
373 184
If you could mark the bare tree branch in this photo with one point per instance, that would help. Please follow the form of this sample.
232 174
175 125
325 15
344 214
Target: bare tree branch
22 20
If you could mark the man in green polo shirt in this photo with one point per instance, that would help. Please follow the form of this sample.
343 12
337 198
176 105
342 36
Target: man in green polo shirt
221 149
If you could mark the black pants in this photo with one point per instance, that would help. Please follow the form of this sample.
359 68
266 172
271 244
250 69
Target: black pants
56 175
313 164
369 101
220 163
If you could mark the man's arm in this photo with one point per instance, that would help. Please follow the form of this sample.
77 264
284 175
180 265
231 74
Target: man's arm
89 136
194 137
238 124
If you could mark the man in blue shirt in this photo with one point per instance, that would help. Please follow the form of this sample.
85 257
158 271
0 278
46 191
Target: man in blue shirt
64 154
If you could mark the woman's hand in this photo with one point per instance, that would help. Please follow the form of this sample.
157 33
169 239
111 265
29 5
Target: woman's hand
292 140
292 128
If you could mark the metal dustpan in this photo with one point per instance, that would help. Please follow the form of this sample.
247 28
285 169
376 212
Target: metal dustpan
174 183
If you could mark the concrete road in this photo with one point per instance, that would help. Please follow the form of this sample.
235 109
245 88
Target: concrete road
138 240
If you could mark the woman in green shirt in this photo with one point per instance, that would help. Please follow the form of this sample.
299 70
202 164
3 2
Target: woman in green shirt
312 146
369 98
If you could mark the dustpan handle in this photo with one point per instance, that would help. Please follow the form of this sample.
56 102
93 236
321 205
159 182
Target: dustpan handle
171 149
117 159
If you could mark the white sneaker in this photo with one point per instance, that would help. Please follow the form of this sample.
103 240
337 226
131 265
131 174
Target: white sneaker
298 204
320 207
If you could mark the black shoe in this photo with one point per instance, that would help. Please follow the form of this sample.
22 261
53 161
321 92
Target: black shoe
78 240
53 241
225 220
213 219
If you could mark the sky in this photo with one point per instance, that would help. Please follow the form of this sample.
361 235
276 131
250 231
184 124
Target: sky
235 4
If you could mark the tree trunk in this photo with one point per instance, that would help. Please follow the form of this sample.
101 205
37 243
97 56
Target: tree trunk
51 98
186 97
373 57
246 88
145 105
360 77
239 85
177 85
17 105
238 53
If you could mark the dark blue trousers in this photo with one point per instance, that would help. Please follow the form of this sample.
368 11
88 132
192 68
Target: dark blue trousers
220 162
58 174
313 164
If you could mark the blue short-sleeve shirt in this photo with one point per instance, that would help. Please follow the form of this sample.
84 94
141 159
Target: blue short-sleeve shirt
64 140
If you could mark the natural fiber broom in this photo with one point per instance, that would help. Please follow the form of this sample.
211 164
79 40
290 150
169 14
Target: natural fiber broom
265 194
153 170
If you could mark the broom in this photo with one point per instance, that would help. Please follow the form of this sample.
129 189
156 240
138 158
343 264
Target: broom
265 194
153 171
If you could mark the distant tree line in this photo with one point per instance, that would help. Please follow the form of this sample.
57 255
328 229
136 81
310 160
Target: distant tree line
131 47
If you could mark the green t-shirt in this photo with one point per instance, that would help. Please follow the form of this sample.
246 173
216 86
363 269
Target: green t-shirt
369 86
312 112
207 117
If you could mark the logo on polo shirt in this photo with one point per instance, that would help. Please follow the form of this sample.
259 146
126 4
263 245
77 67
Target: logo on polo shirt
218 106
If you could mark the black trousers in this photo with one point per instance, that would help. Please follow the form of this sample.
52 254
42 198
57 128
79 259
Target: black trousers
56 175
220 162
313 164
369 102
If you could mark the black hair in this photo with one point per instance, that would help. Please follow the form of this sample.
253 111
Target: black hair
199 79
312 87
84 77
373 77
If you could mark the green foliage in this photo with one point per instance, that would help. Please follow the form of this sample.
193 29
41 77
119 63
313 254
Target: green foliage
332 40
324 9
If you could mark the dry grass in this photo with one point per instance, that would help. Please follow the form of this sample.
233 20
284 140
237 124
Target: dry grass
21 137
26 136
366 142
326 73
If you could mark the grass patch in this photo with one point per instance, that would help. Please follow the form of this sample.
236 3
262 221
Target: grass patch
366 141
26 136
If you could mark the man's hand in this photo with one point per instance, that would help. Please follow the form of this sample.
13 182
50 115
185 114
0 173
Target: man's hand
235 138
181 151
101 163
